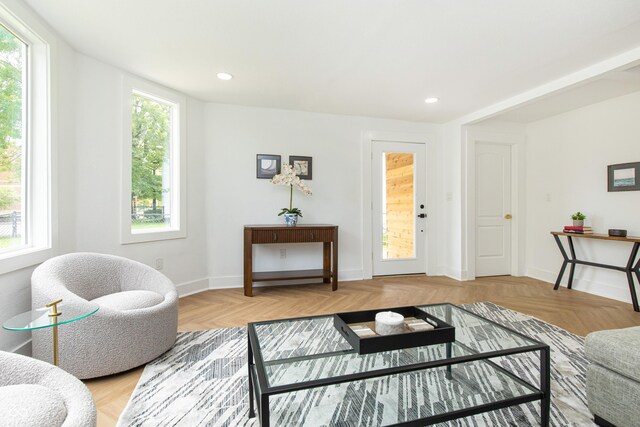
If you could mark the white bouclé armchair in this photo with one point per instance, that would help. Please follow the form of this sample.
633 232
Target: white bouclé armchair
137 320
37 394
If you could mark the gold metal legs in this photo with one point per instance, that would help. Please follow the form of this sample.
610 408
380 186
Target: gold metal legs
55 345
55 313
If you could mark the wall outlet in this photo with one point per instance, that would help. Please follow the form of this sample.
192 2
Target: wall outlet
283 253
159 263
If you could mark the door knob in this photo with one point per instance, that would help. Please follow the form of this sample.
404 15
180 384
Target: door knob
422 215
508 216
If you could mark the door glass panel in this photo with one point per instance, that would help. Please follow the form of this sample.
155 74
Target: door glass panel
398 206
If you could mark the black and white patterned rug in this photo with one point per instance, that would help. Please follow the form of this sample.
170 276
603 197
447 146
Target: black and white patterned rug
202 381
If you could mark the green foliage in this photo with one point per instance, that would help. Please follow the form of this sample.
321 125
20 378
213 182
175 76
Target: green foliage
7 198
11 65
578 216
290 211
150 144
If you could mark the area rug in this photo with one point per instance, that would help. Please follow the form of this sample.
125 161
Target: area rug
202 381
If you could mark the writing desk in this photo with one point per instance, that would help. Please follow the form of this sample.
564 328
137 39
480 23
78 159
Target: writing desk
629 269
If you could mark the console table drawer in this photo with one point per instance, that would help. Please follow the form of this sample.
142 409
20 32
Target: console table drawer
293 235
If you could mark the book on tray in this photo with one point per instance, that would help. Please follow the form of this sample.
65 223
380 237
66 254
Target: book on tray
577 230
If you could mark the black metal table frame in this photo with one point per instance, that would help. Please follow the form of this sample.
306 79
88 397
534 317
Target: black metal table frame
629 269
259 386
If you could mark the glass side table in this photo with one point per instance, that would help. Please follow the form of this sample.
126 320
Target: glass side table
50 317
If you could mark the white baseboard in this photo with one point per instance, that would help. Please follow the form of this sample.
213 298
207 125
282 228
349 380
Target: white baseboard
24 348
227 282
620 293
192 287
453 273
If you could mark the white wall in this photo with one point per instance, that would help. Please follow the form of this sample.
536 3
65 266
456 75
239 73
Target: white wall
235 134
15 287
567 158
87 106
452 201
97 186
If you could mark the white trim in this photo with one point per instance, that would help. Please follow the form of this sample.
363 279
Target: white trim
430 139
193 287
130 85
517 142
603 289
24 348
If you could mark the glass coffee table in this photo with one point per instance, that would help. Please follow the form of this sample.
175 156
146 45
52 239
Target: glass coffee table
433 384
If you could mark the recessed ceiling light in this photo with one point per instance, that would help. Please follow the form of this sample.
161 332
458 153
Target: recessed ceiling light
432 100
224 76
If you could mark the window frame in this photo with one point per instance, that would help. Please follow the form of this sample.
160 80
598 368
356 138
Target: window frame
132 85
39 218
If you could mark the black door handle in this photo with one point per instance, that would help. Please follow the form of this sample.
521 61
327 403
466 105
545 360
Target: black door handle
422 215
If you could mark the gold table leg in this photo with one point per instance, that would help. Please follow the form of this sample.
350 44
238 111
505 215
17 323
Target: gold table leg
55 313
55 344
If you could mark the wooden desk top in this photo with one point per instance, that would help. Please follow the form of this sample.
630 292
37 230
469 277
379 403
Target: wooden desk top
629 239
286 227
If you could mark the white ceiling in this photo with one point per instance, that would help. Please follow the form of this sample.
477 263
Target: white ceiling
378 58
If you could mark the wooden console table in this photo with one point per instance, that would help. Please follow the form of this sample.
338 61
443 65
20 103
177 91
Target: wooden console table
278 234
629 269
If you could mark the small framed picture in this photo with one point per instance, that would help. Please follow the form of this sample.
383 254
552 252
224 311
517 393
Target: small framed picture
267 166
302 166
624 177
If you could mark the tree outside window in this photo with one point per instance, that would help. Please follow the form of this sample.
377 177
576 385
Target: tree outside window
150 163
12 93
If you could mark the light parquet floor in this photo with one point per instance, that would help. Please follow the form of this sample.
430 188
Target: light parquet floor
575 311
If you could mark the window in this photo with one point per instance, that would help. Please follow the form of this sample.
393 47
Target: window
153 147
26 215
13 134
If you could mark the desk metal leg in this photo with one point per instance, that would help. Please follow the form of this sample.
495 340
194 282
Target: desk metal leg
573 263
630 269
564 263
637 271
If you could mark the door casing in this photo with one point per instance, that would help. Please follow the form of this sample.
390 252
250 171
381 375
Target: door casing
430 139
493 221
517 142
418 263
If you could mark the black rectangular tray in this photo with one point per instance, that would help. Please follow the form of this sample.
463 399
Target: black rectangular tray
365 345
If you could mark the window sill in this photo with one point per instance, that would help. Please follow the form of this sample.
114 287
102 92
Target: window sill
23 258
152 236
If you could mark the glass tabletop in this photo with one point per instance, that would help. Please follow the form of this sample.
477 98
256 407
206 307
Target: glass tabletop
309 349
39 318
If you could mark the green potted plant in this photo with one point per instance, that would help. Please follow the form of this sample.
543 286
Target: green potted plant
578 219
289 178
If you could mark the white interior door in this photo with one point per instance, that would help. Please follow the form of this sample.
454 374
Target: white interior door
493 209
399 208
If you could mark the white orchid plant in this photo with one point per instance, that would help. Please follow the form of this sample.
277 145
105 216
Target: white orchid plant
289 178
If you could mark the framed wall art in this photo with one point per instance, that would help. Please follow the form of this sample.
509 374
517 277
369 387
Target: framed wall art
267 166
302 166
624 177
